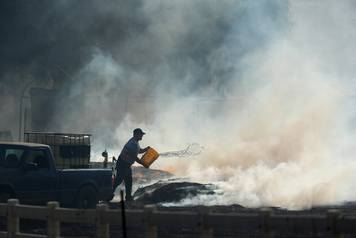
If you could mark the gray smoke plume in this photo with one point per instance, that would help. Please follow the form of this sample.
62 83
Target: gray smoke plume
106 56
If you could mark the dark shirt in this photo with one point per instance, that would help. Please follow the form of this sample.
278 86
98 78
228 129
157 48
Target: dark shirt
130 151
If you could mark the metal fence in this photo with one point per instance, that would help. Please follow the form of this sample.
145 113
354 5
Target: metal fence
332 224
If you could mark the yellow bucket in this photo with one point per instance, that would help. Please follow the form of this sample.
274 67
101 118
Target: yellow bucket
149 157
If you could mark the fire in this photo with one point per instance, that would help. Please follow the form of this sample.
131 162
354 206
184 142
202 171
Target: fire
170 169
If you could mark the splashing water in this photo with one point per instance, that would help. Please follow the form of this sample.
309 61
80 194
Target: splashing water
193 149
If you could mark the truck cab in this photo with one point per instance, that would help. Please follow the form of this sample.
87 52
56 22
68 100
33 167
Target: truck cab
28 172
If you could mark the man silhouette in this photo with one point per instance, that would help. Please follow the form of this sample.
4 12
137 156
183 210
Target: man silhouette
128 157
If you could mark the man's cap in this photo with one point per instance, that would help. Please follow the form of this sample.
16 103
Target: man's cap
138 131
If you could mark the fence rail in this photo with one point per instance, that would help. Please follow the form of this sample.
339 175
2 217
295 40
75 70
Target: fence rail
333 224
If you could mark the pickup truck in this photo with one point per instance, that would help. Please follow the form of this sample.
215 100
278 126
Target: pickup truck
28 173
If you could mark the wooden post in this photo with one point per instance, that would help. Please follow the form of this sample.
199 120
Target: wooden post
53 225
123 215
265 222
102 226
205 230
151 228
333 216
13 221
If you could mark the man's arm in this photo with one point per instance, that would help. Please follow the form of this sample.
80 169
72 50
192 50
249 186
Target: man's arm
143 150
138 161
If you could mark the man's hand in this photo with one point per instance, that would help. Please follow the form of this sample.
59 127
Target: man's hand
139 161
144 150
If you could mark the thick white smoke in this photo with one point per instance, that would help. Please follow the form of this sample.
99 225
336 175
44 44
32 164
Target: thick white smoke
286 138
280 133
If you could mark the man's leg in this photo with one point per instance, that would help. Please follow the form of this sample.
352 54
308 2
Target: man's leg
120 173
128 184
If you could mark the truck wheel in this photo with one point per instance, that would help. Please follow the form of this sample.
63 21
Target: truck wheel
86 198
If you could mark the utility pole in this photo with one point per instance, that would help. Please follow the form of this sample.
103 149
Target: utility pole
21 105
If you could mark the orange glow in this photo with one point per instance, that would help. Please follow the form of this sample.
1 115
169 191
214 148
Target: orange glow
170 169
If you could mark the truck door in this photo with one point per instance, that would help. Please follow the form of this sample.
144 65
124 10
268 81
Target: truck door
39 180
10 157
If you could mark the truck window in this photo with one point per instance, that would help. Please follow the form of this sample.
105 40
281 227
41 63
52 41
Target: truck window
38 157
10 157
74 151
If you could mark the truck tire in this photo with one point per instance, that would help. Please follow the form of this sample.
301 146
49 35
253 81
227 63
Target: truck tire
86 198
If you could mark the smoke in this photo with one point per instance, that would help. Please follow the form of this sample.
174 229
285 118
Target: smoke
283 133
266 87
289 140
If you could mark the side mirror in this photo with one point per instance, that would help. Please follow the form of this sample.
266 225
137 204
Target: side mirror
30 167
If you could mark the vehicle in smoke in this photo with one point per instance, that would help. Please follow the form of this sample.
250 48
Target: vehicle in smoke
28 173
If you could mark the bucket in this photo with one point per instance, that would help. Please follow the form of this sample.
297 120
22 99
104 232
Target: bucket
149 157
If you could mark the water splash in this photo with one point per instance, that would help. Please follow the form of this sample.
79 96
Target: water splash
193 149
